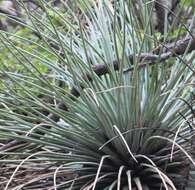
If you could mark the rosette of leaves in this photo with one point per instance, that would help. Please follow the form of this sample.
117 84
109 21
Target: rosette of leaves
127 120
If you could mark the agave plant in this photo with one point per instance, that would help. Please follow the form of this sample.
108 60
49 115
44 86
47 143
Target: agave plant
114 109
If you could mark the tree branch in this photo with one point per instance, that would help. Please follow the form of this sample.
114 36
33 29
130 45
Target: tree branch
160 13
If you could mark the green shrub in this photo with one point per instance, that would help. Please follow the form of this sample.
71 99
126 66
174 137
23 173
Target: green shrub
118 95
